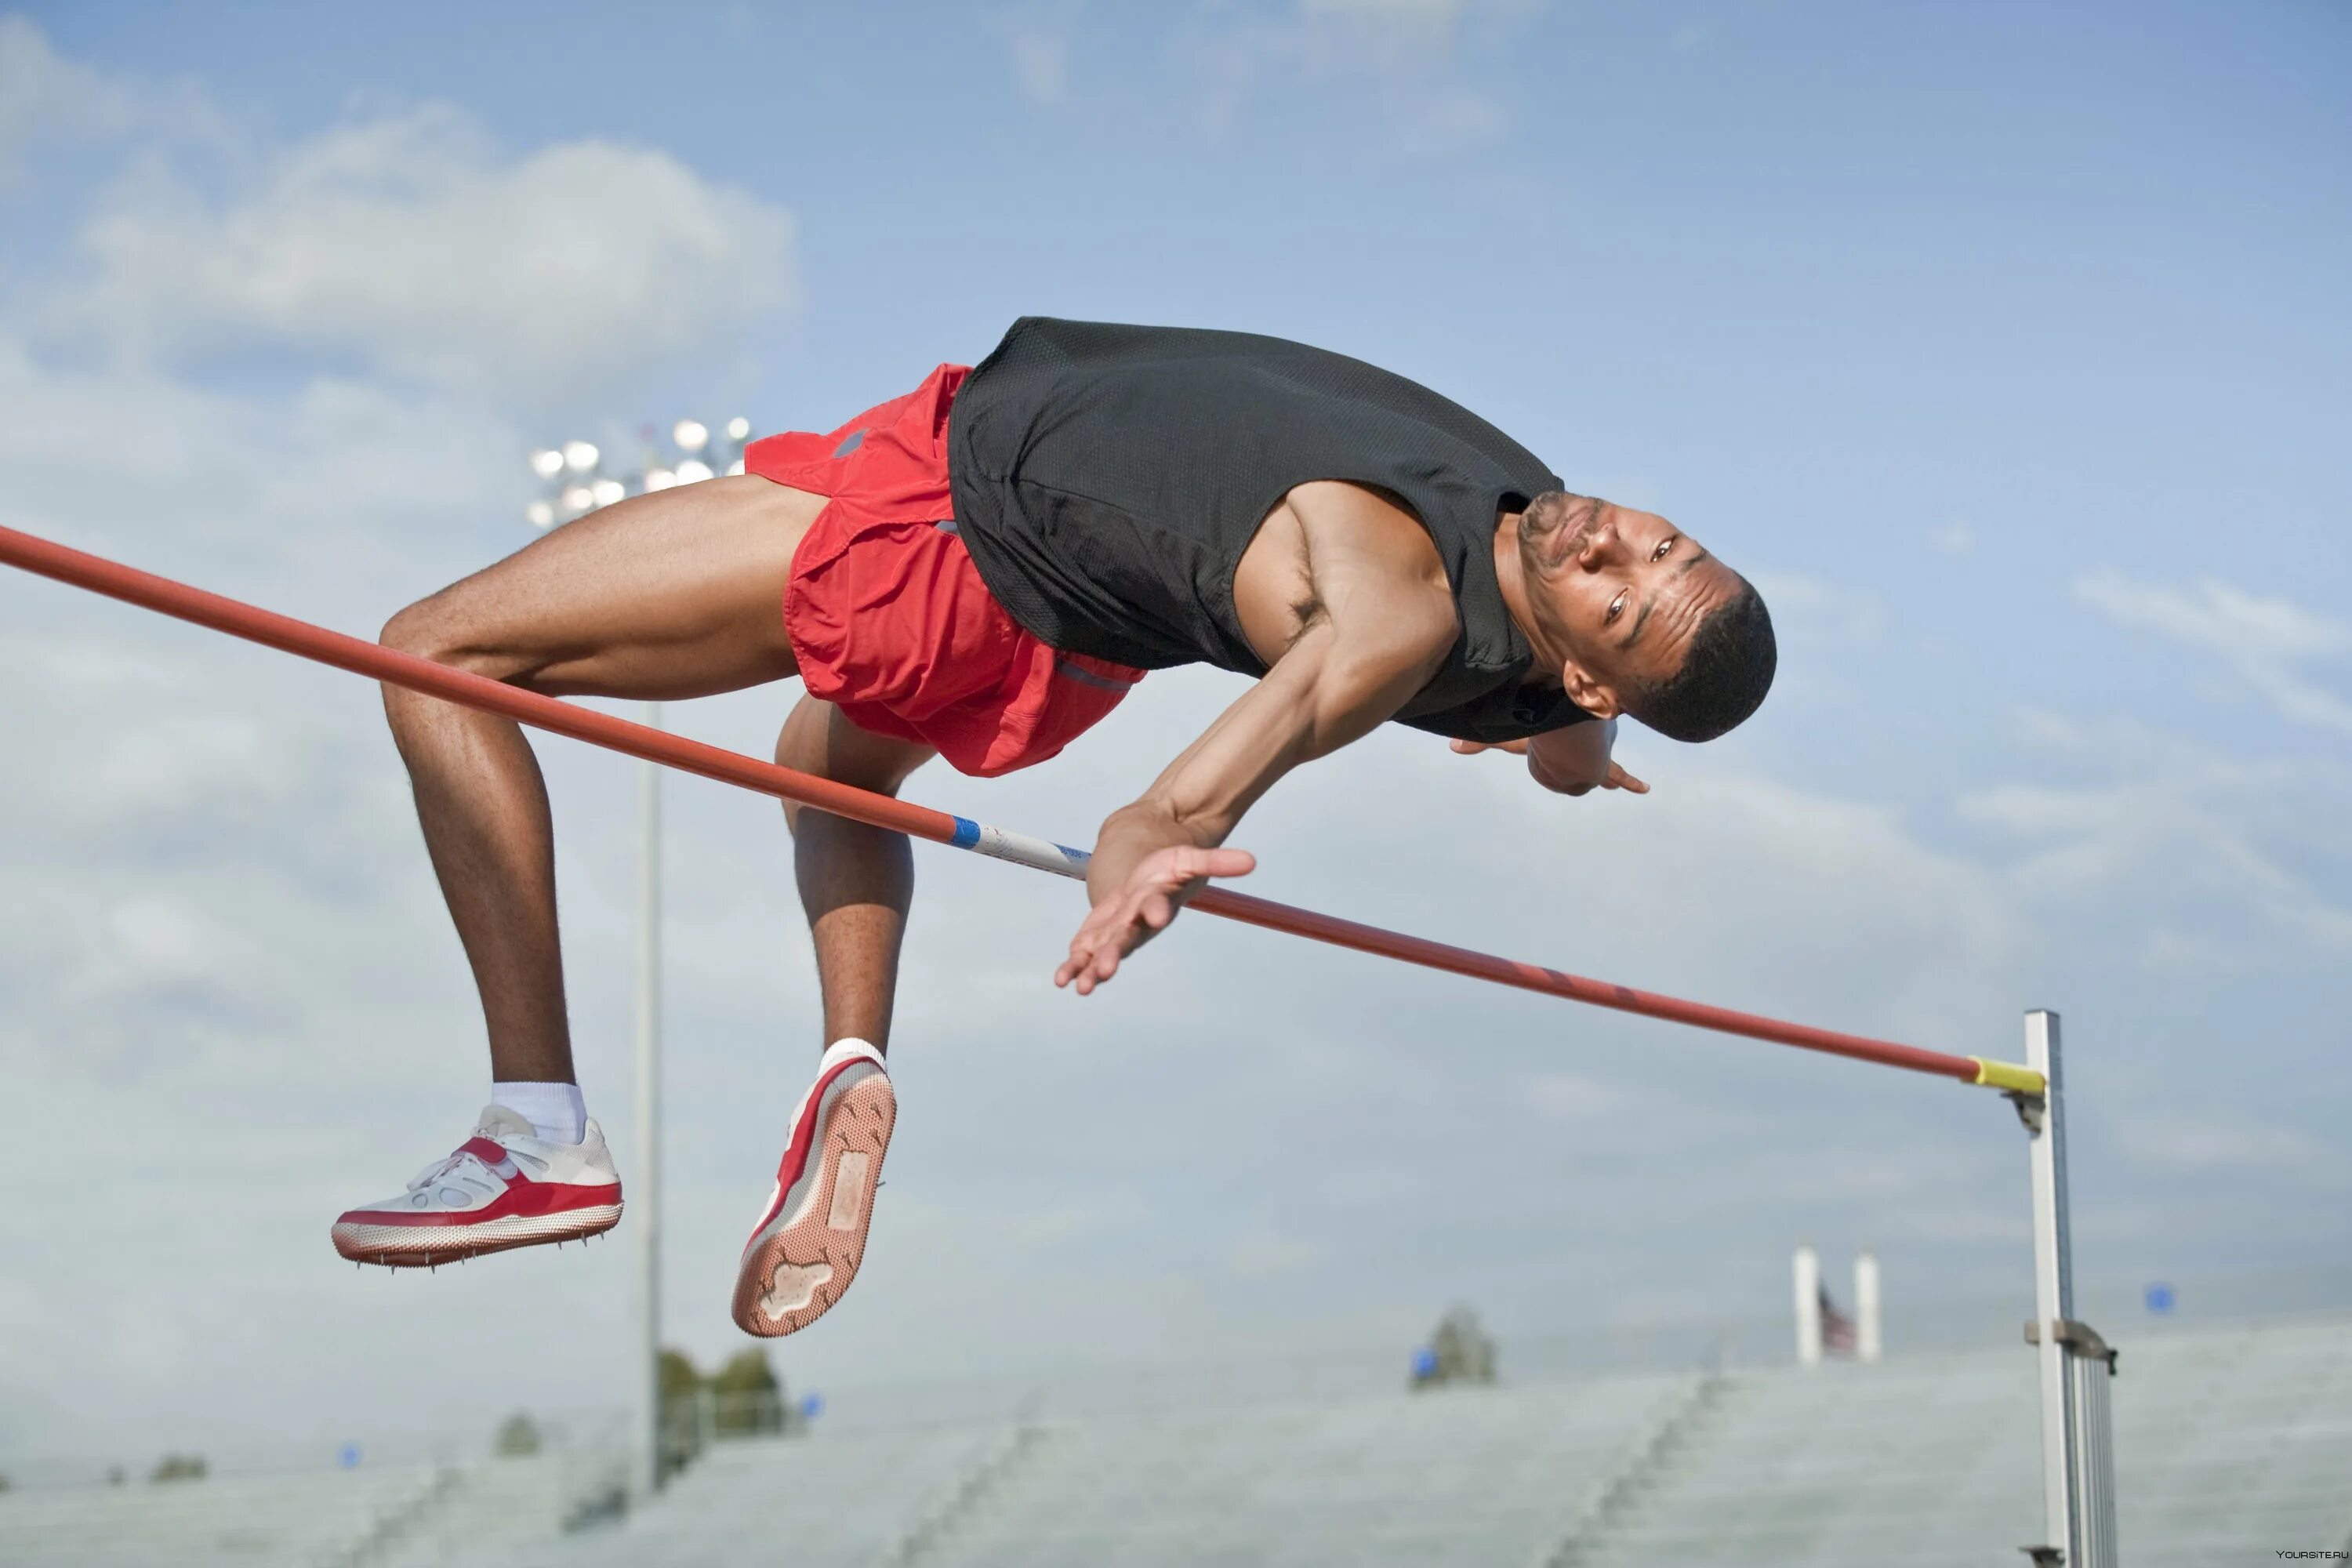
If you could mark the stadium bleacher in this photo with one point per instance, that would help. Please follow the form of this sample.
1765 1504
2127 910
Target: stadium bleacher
1930 1461
307 1517
2232 1444
2236 1446
505 1506
818 1501
1458 1475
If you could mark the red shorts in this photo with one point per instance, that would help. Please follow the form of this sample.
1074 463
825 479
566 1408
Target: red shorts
888 615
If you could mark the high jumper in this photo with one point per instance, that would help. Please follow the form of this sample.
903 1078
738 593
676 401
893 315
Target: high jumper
981 570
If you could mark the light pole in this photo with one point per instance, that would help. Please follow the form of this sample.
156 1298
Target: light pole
577 485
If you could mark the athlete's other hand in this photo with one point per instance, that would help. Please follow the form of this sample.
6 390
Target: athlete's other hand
1141 907
1567 766
1617 778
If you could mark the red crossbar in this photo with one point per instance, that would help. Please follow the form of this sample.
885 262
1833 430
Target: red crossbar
283 633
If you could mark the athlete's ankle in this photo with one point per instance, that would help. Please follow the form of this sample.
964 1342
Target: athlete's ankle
556 1111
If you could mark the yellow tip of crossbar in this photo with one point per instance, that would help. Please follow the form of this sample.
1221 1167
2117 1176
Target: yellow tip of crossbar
2009 1075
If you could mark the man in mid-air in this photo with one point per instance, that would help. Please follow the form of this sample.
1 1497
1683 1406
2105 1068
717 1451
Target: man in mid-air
980 569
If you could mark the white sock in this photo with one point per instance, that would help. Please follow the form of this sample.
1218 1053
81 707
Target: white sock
556 1111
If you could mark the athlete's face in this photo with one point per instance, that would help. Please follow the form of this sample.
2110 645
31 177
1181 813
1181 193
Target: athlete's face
1620 591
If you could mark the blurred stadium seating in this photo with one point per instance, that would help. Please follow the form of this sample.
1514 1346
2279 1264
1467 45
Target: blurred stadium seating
814 1500
1468 1475
300 1517
501 1507
2232 1444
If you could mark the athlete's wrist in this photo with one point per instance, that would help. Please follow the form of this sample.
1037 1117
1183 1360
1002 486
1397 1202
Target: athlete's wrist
1130 836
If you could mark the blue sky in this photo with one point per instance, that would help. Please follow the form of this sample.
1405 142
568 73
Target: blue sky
2004 345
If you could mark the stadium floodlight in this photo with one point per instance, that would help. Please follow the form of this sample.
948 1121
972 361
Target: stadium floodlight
578 485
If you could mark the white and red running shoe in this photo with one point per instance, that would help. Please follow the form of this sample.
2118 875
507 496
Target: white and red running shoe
806 1247
504 1186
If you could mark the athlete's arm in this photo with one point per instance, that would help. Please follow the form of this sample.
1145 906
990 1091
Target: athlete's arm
1574 760
1375 627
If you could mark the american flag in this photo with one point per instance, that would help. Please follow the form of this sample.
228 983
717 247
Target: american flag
1837 1329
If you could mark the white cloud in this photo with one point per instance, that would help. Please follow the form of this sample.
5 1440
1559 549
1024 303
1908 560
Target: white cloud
1835 902
2262 643
1812 610
1037 41
2212 854
2221 1140
219 928
44 95
334 489
1409 51
1410 13
412 245
1041 64
2219 616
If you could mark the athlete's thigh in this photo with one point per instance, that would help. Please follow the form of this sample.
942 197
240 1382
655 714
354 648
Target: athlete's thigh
673 594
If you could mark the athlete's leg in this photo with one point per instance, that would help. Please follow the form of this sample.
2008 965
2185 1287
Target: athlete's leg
854 880
855 883
673 594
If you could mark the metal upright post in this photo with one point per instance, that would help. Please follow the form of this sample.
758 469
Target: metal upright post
2077 1459
577 485
644 1194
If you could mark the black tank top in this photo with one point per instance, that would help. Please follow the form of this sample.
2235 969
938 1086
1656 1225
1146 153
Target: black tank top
1108 478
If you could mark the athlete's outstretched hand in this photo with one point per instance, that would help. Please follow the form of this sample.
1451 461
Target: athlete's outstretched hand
1141 907
1565 761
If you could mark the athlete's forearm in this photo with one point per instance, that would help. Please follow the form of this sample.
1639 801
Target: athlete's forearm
1201 795
1328 690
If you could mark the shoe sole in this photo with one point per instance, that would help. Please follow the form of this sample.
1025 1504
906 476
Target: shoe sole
427 1247
805 1261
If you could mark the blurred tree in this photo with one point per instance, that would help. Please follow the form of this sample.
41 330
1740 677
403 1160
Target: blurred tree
517 1435
179 1467
114 1475
1459 1351
3 1480
748 1397
679 1379
681 1411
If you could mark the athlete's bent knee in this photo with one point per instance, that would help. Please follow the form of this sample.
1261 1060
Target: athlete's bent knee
430 628
411 630
818 738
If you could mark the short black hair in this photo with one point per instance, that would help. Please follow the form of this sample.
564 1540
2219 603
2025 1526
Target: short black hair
1724 675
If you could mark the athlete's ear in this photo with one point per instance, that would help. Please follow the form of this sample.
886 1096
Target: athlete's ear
1596 697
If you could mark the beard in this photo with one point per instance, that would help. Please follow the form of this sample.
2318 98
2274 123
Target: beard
1553 528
